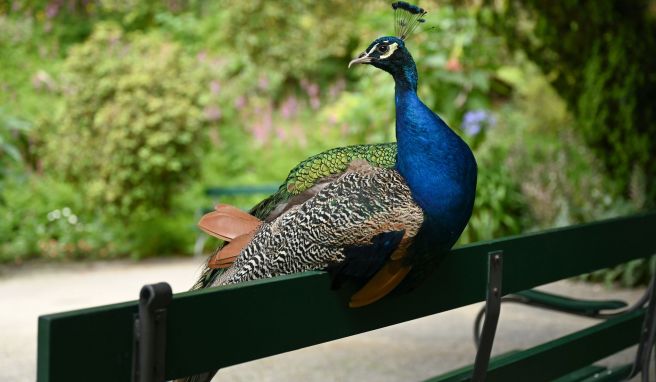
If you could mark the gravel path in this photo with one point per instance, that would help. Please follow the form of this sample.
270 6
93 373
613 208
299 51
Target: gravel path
411 351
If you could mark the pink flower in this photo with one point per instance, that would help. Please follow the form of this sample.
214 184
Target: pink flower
312 89
344 130
263 83
289 108
52 10
215 87
212 113
337 88
315 103
281 133
262 128
259 132
453 65
240 102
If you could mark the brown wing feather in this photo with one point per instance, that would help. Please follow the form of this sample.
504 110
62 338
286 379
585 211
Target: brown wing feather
229 253
386 279
236 212
228 223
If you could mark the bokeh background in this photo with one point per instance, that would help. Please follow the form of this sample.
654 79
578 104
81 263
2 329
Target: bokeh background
116 115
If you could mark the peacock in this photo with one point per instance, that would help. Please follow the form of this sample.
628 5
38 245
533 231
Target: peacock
366 212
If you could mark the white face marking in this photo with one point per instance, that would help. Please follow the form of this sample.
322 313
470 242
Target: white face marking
372 49
392 48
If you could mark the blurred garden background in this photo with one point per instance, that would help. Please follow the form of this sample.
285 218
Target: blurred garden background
115 115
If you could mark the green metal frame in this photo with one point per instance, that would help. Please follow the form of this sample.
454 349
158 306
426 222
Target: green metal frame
562 355
267 317
566 304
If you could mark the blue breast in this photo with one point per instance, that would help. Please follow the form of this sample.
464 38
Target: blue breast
437 164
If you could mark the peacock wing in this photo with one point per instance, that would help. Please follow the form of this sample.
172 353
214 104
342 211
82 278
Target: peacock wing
370 213
306 175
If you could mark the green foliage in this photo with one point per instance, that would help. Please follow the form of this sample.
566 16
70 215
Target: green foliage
632 274
499 208
26 78
131 129
599 56
13 150
285 36
41 216
108 106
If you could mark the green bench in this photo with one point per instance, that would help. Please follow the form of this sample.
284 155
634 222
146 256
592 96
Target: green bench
177 335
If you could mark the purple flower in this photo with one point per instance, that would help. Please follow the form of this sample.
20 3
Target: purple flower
474 121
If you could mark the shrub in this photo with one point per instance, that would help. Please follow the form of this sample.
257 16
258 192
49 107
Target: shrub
13 133
131 128
599 57
306 33
44 217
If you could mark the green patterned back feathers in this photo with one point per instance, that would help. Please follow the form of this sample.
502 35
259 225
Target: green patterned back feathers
330 162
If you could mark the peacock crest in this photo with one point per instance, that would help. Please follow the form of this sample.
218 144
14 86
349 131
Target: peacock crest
406 18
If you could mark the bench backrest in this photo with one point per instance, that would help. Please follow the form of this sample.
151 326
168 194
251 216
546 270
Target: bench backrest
216 328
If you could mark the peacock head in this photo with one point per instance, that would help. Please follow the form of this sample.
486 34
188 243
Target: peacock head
389 53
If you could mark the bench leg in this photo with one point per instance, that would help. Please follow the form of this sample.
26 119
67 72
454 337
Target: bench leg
149 349
492 311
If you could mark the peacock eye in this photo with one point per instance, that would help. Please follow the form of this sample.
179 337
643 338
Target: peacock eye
383 48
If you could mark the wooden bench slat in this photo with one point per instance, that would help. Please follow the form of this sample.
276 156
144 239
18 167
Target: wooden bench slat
215 328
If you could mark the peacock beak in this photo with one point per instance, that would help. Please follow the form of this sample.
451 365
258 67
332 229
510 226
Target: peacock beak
363 58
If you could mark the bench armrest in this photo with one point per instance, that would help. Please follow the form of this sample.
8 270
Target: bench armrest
566 304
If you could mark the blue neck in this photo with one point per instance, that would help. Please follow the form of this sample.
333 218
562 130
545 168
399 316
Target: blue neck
437 165
406 78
